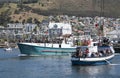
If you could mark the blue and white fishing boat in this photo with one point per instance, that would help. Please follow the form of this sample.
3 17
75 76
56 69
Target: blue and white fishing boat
92 55
46 48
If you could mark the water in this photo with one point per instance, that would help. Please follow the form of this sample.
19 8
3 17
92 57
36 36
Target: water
13 66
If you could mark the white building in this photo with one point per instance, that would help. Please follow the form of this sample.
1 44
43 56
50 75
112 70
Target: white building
19 29
28 28
114 34
65 27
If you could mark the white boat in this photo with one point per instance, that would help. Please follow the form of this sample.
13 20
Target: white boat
8 49
92 55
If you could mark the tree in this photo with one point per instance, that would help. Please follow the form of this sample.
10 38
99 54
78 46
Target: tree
36 21
23 21
16 21
4 18
29 20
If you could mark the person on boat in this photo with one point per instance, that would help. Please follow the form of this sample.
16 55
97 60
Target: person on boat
108 51
77 52
88 42
104 52
92 55
80 53
100 54
86 53
84 43
97 54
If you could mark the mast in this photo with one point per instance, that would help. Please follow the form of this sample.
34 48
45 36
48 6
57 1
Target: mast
102 15
102 8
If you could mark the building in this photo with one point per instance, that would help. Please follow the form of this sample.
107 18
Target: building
17 30
59 29
115 34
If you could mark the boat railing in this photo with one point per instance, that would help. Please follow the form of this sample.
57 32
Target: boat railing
84 56
102 53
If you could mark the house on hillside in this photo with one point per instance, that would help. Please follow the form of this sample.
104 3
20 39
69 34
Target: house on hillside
59 29
115 34
14 30
17 30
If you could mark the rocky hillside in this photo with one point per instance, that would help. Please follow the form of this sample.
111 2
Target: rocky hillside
85 7
35 12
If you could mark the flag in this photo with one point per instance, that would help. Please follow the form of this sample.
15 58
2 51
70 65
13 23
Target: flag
96 25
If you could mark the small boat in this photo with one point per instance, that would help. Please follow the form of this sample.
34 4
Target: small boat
8 49
92 55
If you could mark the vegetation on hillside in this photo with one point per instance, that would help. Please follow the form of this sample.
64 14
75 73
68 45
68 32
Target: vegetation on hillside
36 10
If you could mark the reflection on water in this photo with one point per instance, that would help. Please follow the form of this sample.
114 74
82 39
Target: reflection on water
104 71
91 70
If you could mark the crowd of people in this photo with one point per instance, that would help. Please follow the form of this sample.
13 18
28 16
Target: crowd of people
86 53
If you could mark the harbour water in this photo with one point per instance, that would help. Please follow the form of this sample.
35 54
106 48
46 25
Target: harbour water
14 66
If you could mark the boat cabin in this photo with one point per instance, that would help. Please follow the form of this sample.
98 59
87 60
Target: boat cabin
92 51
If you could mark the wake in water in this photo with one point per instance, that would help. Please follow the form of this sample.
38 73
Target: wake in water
114 64
116 54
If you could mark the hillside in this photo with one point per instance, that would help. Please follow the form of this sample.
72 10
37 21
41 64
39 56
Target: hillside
84 7
27 12
79 7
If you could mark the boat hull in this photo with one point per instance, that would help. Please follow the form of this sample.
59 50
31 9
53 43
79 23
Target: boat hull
89 63
41 50
92 61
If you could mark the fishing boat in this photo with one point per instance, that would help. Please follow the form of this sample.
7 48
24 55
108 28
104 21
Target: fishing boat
46 48
92 55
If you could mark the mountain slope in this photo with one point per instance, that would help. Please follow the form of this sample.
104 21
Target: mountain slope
21 12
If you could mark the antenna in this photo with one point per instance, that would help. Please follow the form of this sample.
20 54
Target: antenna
101 15
102 8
